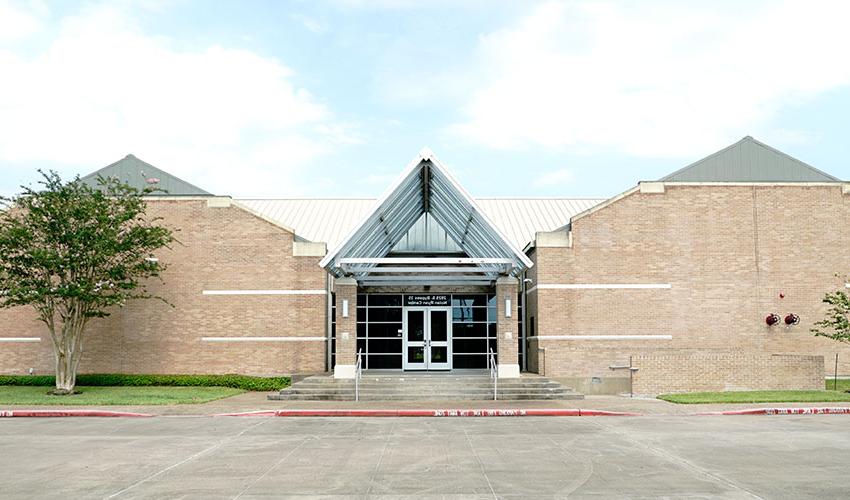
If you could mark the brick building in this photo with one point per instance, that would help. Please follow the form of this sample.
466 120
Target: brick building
665 287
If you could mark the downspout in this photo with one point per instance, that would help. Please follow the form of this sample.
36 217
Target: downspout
524 343
328 320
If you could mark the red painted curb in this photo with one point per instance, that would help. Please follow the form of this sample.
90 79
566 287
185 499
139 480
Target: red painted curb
69 413
485 412
781 411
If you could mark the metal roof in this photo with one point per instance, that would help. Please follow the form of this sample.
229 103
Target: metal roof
138 173
329 220
425 186
749 160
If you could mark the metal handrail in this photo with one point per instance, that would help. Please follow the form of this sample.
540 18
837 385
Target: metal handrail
358 374
494 373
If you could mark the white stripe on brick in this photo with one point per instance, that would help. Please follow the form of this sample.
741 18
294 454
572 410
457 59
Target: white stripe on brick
263 339
600 286
603 337
264 292
20 339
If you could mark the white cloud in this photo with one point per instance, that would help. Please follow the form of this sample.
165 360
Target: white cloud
553 178
227 119
310 24
666 79
20 20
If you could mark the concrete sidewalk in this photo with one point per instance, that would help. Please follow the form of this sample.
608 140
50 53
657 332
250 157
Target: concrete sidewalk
256 401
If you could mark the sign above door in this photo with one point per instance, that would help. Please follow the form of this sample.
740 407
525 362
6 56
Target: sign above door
426 300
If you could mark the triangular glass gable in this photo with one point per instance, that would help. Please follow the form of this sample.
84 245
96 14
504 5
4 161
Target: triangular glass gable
426 236
426 187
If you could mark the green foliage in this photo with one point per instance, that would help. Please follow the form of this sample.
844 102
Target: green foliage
758 397
836 325
73 252
243 382
102 396
69 245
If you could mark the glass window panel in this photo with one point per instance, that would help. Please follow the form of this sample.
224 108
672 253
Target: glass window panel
361 314
469 346
467 314
361 299
385 362
415 326
491 314
393 346
465 361
391 314
469 329
415 354
439 326
385 330
491 300
439 354
361 330
385 300
469 300
361 344
491 329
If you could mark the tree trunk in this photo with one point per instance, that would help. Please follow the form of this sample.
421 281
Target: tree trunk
66 378
68 351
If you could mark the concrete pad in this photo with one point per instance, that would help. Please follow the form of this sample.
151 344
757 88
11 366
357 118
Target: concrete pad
798 456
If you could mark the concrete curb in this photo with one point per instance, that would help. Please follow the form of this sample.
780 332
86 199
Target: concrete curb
69 413
488 412
780 411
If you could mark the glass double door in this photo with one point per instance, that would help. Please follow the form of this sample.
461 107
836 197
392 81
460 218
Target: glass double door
427 338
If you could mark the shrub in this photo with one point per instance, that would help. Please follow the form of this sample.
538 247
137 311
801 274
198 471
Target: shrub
243 382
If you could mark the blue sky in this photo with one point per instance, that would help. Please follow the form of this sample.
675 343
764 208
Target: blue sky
334 98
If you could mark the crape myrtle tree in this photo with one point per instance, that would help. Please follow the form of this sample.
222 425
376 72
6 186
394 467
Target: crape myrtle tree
74 252
836 324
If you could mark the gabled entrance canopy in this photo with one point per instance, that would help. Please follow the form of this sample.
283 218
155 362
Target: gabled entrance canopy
425 186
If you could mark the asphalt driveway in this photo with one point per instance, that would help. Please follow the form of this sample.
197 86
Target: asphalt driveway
526 457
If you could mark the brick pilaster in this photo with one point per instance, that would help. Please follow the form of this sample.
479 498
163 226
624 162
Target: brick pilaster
506 328
346 327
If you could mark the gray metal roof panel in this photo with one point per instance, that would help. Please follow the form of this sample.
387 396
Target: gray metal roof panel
749 160
330 220
136 173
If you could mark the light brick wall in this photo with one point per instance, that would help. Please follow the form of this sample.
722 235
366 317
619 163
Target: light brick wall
220 249
506 288
727 251
705 372
346 349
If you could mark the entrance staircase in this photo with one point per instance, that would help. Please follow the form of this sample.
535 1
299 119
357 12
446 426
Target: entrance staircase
408 386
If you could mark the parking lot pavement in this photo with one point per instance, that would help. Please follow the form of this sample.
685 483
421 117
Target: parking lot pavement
258 401
643 457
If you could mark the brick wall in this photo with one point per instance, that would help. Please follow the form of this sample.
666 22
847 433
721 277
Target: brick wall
224 248
703 372
727 251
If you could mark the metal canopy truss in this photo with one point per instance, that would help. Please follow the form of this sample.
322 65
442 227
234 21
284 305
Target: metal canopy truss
425 186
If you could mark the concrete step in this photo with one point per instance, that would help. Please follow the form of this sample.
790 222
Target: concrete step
414 387
457 394
426 387
435 397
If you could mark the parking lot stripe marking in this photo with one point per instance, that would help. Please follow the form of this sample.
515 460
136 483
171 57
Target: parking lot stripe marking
186 460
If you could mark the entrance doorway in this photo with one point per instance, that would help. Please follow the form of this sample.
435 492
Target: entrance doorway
427 338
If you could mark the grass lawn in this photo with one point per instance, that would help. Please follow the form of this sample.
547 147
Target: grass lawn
23 395
826 396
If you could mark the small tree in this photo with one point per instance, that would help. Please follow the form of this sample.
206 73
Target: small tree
836 325
72 252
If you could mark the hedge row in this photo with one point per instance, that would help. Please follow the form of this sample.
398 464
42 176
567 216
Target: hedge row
109 379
